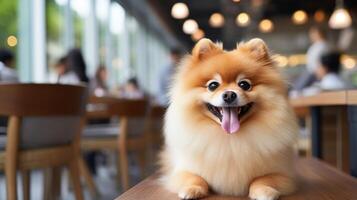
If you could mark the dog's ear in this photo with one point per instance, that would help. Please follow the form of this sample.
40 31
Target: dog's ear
205 48
256 46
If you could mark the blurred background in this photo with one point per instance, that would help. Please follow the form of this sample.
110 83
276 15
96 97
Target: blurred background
134 38
129 49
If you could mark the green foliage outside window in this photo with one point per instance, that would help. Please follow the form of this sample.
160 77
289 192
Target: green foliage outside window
54 21
8 21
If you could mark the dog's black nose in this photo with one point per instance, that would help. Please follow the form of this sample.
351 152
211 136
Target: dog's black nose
229 96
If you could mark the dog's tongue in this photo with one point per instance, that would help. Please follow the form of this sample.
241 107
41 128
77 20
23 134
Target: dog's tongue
230 122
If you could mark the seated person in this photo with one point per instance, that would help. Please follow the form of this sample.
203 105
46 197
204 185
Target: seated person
7 73
131 90
98 84
63 74
328 72
77 65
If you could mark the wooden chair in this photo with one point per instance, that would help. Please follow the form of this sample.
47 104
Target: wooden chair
45 122
131 135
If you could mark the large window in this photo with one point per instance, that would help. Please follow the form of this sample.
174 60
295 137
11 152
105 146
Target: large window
118 56
102 9
103 29
64 27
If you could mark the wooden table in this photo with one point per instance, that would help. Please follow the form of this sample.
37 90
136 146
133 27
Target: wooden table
346 100
318 181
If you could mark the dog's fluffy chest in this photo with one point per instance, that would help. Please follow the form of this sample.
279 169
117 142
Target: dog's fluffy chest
228 167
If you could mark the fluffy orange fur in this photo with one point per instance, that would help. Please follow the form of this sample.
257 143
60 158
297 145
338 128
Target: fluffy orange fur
199 156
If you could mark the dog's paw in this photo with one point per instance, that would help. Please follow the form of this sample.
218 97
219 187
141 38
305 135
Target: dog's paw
263 193
193 192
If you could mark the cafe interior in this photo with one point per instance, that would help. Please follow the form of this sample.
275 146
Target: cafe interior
84 89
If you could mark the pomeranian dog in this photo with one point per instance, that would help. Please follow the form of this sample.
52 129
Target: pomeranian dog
229 128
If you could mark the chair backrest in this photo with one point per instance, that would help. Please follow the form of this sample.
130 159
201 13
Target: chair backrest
131 112
99 107
50 114
130 108
111 106
42 100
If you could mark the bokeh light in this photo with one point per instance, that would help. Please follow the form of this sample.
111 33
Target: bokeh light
281 61
348 62
198 34
179 11
243 19
190 26
299 17
216 20
319 16
266 26
11 41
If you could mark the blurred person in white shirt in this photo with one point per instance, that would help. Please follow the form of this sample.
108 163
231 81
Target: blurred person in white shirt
63 74
318 47
71 69
7 73
98 84
166 77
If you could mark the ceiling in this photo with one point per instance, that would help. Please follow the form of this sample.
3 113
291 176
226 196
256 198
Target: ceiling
258 9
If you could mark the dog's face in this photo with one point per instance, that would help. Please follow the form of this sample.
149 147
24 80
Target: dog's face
228 100
228 88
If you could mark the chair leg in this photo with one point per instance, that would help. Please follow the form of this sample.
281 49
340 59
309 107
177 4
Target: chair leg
75 177
142 162
47 180
26 178
88 177
124 173
10 174
56 182
52 183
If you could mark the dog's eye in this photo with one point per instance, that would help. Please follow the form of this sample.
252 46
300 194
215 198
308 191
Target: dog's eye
213 85
245 85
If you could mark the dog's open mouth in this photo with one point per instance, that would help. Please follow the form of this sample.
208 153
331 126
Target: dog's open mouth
229 116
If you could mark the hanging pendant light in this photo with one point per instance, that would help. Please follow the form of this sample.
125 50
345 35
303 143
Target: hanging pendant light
340 17
179 11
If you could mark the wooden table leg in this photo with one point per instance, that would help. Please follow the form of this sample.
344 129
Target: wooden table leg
26 180
47 184
52 183
352 121
316 136
56 182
